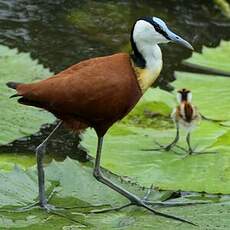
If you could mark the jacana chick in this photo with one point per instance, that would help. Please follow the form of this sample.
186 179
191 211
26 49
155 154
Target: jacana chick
100 91
185 116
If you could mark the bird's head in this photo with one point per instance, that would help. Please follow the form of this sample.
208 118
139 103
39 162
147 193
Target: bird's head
184 95
152 30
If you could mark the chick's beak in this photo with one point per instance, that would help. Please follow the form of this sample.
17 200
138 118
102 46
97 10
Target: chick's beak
177 39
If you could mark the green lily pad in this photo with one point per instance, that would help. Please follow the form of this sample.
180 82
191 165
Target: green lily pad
9 160
223 142
224 7
226 123
76 188
215 58
206 216
153 110
165 170
16 120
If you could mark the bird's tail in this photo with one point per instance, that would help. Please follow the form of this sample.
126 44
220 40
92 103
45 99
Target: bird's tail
13 85
22 94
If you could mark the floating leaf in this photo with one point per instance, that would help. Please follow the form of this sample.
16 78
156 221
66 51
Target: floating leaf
215 58
9 160
223 142
76 188
152 110
166 170
224 7
16 120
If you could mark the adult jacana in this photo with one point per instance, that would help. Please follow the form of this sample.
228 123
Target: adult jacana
100 91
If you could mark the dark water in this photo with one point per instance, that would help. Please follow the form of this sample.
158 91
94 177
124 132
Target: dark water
49 31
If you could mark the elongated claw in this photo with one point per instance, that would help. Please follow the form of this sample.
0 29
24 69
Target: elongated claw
201 152
147 194
162 147
37 204
111 209
142 204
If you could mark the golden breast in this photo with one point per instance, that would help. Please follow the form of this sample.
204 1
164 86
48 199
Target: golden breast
146 77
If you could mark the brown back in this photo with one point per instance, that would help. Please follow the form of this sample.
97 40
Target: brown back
96 92
188 110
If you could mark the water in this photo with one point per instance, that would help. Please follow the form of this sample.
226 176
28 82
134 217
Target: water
61 33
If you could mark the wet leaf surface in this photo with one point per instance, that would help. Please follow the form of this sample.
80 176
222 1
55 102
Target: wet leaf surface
17 121
217 58
75 187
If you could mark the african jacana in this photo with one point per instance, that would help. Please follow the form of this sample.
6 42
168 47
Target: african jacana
100 91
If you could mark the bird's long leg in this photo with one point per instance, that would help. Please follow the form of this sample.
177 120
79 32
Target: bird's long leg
169 146
134 200
40 152
190 150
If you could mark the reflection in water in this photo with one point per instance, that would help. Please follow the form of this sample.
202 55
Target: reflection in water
60 33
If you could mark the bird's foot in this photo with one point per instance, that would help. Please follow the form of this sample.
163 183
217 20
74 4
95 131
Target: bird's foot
145 200
37 205
193 152
48 208
164 147
160 147
145 203
43 204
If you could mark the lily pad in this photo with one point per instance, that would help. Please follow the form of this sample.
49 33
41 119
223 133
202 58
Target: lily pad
223 142
16 120
215 58
9 160
166 170
206 216
76 188
153 110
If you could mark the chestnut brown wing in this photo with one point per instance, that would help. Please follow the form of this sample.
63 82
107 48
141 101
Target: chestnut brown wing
102 90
